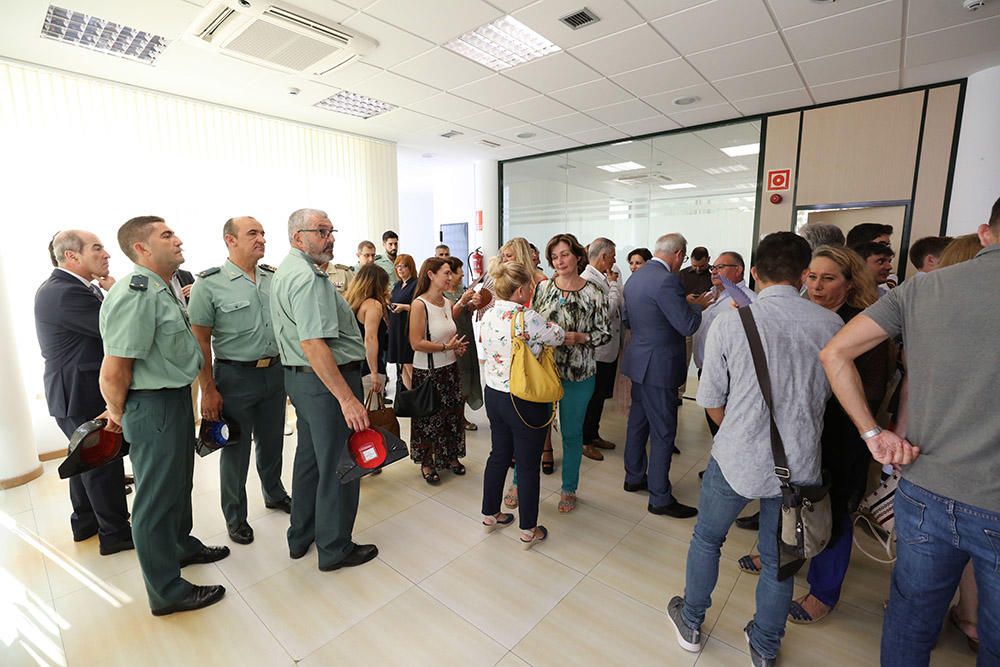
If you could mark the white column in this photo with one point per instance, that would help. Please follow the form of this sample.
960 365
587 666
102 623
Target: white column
18 458
974 187
487 191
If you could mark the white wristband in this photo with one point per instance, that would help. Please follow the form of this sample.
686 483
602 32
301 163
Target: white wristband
867 435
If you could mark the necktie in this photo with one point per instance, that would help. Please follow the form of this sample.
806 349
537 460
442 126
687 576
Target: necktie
97 292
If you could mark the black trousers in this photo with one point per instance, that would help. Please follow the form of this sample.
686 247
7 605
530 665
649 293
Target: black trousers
98 497
603 390
512 438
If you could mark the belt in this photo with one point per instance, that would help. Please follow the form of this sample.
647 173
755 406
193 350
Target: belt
349 366
266 362
164 390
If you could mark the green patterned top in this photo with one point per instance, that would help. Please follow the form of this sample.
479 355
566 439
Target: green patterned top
584 311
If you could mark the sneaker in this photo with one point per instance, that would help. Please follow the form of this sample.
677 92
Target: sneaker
687 638
756 659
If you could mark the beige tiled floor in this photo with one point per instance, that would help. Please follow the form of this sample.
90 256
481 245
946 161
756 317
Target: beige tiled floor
441 593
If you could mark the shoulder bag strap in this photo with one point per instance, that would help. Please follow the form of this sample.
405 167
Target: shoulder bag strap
427 332
764 380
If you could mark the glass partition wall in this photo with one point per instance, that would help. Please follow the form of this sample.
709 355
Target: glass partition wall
701 183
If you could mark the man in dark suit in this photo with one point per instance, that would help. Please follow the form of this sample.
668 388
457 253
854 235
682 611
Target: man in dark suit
67 307
660 317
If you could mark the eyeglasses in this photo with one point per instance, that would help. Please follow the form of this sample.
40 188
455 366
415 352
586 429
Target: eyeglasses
323 233
719 267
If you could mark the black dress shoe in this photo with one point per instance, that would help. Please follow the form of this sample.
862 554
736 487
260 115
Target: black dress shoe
285 505
749 522
200 596
206 555
242 535
128 490
360 554
641 485
129 480
676 452
674 509
115 547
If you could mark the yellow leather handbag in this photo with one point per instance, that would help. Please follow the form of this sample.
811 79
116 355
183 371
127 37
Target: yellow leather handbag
532 379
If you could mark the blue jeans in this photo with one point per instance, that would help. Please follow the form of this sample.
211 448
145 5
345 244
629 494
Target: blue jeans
935 538
718 507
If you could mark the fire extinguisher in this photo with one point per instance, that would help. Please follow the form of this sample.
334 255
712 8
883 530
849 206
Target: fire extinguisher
476 259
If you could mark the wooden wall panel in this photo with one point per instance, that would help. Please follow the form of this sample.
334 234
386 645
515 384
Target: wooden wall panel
935 157
779 153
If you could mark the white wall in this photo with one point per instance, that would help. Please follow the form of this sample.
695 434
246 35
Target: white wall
976 185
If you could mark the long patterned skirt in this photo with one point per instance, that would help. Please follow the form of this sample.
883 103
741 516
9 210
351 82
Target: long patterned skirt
439 439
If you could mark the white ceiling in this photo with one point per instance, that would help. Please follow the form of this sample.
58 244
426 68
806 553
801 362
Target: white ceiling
613 79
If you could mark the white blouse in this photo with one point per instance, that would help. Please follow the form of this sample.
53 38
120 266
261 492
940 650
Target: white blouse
494 334
442 328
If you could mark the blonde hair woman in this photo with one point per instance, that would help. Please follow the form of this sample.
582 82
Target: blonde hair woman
962 249
368 297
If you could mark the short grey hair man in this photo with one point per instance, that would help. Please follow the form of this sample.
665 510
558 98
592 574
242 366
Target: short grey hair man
598 247
302 218
669 244
63 242
821 233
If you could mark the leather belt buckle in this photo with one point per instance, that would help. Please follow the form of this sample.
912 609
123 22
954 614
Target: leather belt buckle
263 363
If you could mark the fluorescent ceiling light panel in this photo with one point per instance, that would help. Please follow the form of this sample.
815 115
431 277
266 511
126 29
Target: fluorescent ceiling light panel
729 169
90 32
503 43
353 104
678 186
621 166
740 151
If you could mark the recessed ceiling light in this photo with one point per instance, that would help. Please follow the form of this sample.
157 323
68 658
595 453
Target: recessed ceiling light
740 151
678 186
622 143
90 32
353 104
620 166
728 169
451 133
686 100
503 43
525 135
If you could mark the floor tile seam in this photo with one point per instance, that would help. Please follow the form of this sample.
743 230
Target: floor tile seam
238 593
545 615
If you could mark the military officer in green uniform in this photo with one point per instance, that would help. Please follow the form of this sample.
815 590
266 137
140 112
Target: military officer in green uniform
321 349
151 359
230 310
390 243
340 275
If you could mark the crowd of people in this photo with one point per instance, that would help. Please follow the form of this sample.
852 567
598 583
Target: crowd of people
862 369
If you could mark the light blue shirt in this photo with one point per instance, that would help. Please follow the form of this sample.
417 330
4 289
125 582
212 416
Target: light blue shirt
721 305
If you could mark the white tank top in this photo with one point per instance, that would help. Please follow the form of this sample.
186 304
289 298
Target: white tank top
442 329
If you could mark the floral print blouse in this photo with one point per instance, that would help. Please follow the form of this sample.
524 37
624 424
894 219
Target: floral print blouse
585 311
494 333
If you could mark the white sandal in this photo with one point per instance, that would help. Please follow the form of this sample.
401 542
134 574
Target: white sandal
539 534
491 522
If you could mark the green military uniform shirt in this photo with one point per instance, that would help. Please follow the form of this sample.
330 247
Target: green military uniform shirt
305 306
141 319
237 309
340 275
387 265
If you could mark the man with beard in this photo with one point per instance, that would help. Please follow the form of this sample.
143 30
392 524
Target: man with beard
390 243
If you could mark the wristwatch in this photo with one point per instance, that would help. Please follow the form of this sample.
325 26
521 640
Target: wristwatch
867 435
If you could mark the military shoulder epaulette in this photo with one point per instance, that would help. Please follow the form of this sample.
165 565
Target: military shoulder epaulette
344 267
318 271
268 268
207 272
139 282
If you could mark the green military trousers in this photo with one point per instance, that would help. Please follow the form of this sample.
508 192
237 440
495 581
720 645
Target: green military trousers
159 426
323 509
255 398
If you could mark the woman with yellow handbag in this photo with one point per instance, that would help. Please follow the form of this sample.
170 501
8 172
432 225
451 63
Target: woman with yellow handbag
522 388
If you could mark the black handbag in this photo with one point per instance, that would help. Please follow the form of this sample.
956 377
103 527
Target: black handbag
422 400
806 519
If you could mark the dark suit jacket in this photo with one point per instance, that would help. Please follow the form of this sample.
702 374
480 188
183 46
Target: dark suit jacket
66 321
184 278
659 316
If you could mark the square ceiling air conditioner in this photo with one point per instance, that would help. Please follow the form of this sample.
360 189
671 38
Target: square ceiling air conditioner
282 37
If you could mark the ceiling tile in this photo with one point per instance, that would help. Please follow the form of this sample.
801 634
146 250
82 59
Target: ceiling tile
927 15
494 91
767 82
442 69
659 78
960 41
654 9
750 55
665 101
624 51
491 121
623 112
537 108
589 95
796 12
576 122
394 45
329 9
851 64
512 133
394 89
510 5
350 75
647 126
789 99
705 115
543 17
404 120
948 70
437 20
851 30
447 106
842 90
554 144
715 24
553 72
598 135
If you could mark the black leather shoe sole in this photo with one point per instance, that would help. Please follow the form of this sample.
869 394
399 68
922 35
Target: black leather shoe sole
283 505
199 597
639 486
124 545
361 554
242 535
675 510
206 555
749 522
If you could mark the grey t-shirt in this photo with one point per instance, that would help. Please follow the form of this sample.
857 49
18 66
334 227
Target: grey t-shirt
793 330
949 321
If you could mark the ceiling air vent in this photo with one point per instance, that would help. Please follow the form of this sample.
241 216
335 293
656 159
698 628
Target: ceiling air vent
580 19
644 179
451 133
489 144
